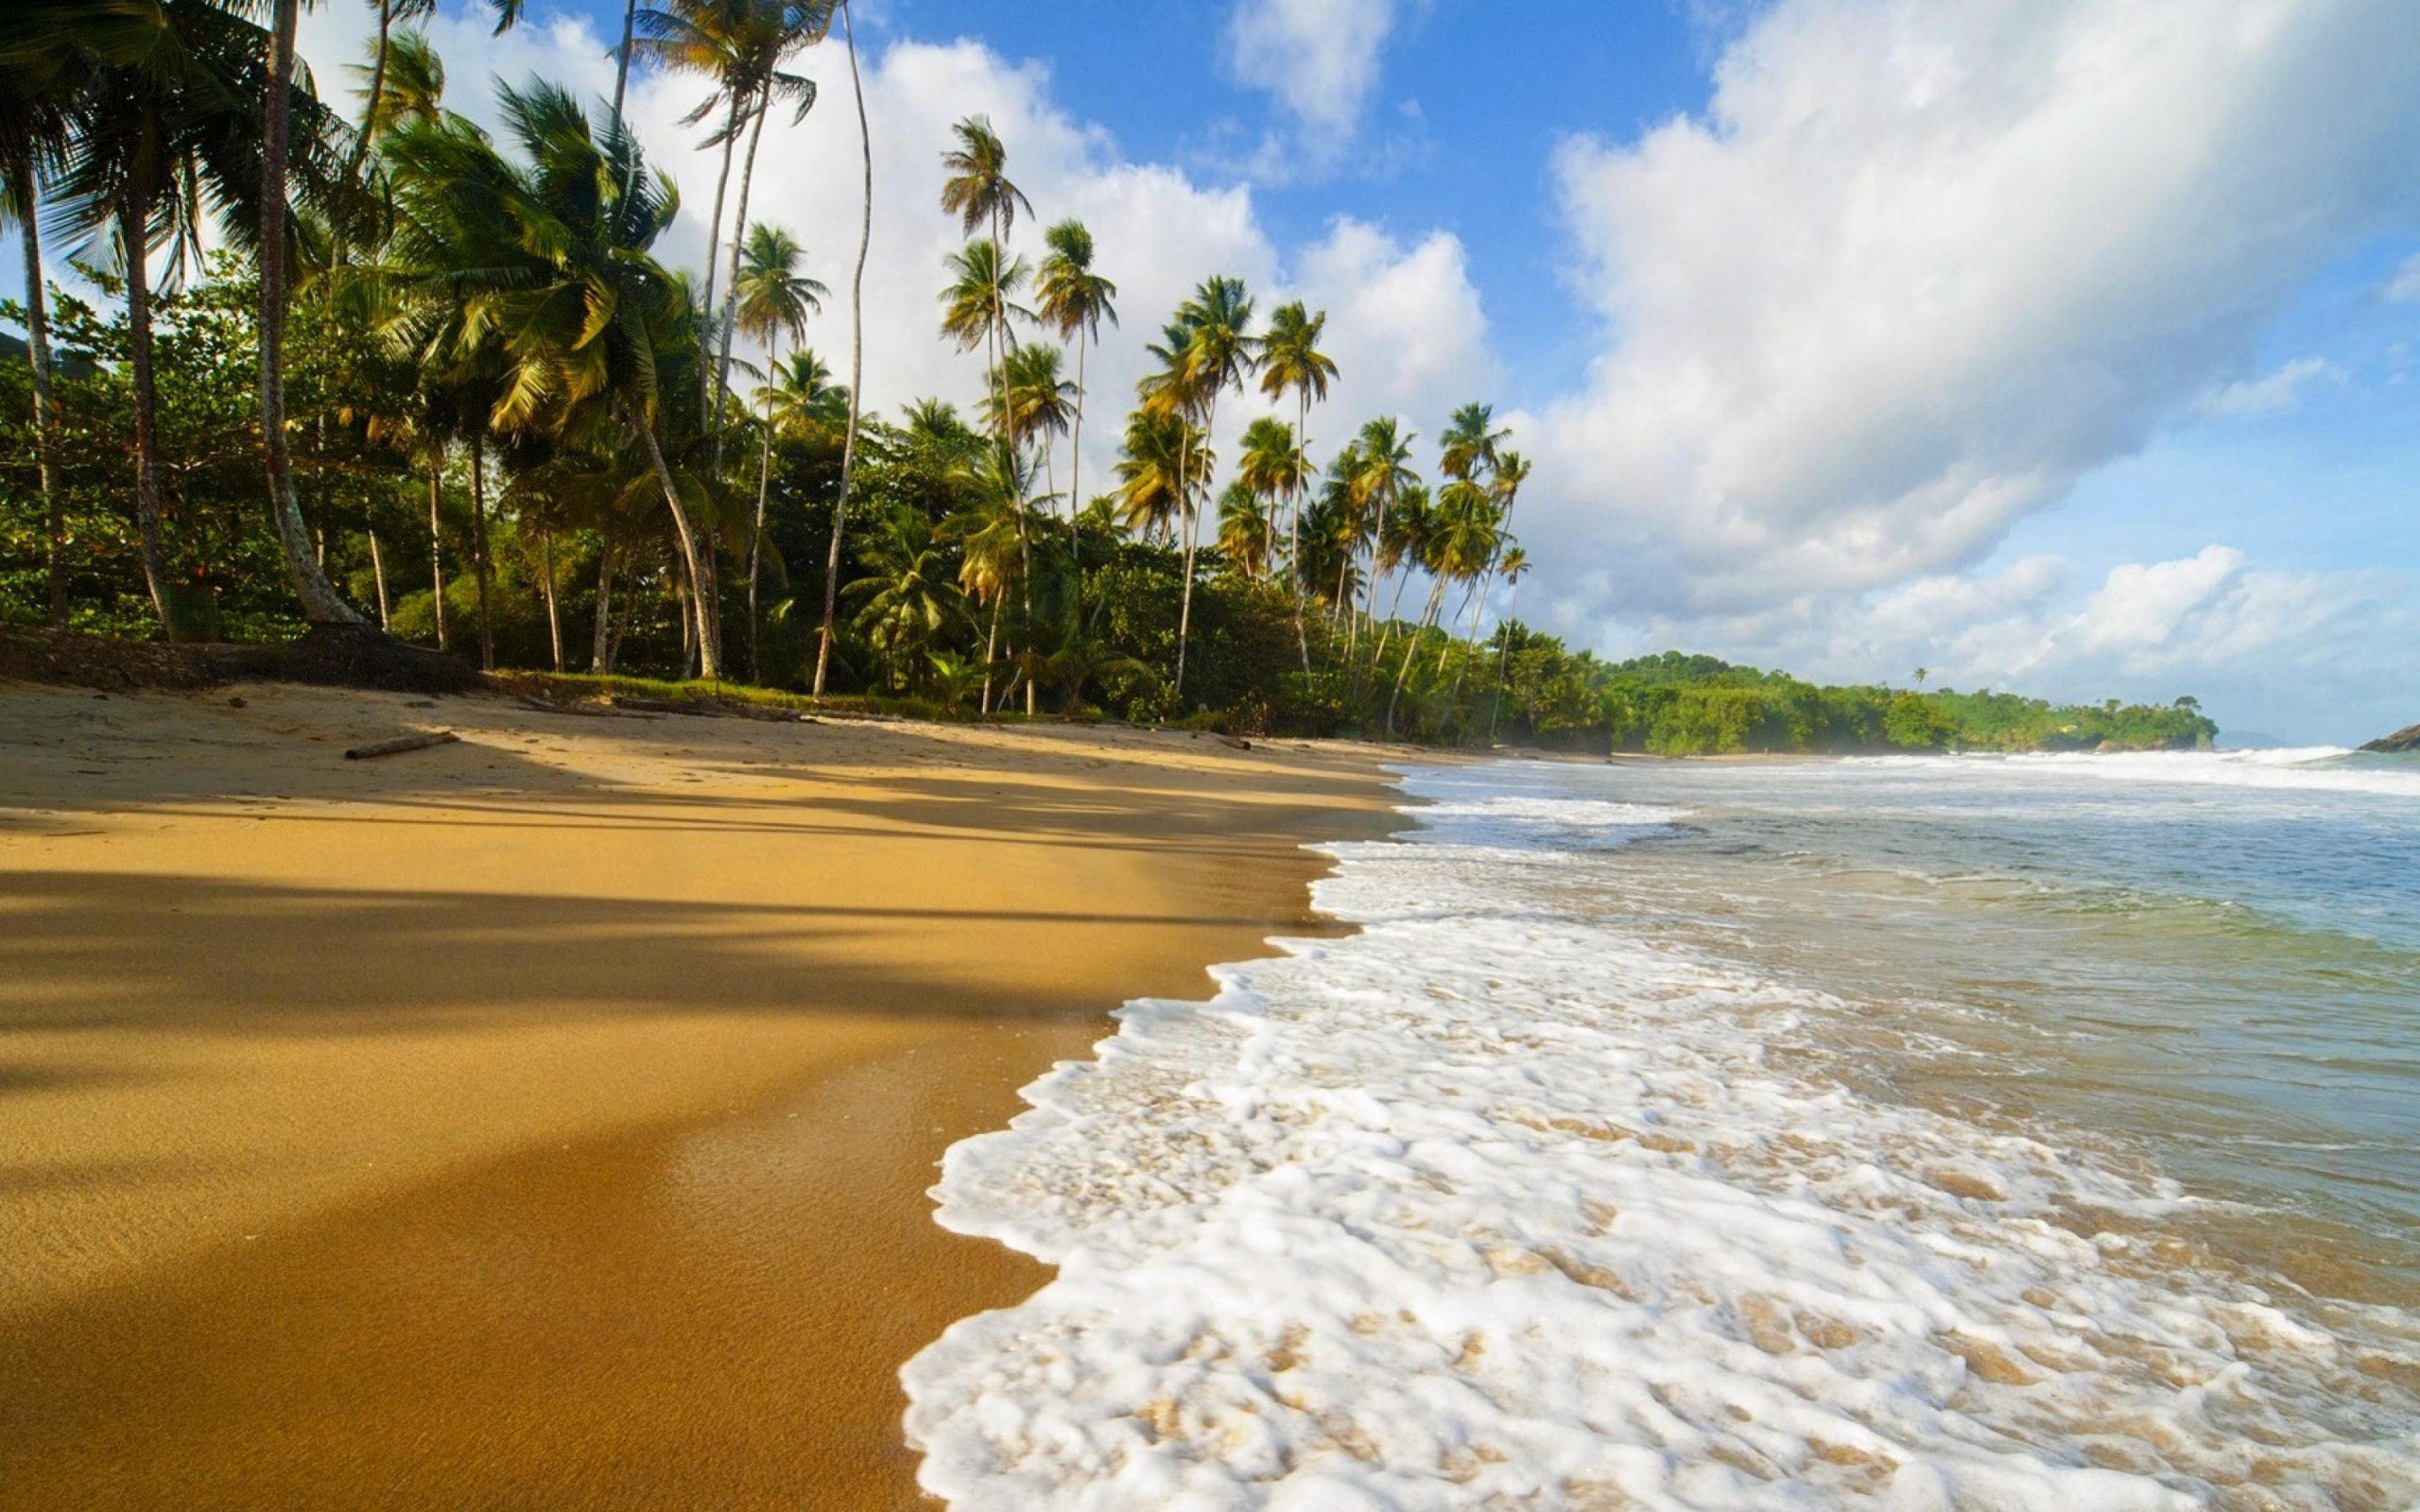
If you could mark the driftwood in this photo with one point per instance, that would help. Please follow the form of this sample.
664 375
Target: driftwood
399 745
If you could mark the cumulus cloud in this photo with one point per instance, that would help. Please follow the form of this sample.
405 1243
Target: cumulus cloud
2272 393
1318 58
1923 262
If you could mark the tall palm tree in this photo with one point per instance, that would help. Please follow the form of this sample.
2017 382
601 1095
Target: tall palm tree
1509 470
1041 402
374 111
774 300
1219 352
797 23
175 114
1471 441
1381 476
1292 361
1455 541
857 355
1073 302
321 604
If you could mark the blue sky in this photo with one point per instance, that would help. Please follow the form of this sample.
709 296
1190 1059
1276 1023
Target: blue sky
2058 345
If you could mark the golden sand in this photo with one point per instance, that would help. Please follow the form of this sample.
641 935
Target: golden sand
545 1120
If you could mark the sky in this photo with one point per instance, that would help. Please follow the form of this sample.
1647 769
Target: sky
2059 346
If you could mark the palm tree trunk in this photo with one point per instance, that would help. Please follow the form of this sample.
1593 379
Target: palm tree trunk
1075 485
378 571
764 486
990 651
604 606
692 548
1503 655
1470 642
554 613
321 603
45 405
730 291
479 551
1412 647
133 233
1294 521
377 87
1192 537
714 233
856 360
622 64
437 536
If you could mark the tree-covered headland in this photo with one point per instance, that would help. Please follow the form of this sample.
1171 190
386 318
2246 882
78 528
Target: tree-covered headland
507 430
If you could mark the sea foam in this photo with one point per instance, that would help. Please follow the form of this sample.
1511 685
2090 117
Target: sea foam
1496 1203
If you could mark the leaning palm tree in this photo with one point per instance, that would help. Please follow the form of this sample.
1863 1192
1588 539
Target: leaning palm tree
1073 302
1292 361
321 604
856 357
552 265
774 300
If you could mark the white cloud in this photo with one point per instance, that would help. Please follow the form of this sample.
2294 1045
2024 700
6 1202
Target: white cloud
1318 58
2404 288
1925 262
2272 393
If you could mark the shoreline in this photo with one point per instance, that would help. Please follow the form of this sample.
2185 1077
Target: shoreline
550 1116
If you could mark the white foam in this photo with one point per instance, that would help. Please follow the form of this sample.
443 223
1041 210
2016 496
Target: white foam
2316 768
1492 1204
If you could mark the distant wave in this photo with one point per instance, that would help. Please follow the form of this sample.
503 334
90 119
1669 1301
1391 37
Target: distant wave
2309 768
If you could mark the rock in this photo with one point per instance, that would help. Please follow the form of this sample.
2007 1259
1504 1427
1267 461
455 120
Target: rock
2406 739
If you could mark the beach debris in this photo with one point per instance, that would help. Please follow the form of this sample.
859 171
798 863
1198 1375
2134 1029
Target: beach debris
420 703
1235 741
399 745
237 702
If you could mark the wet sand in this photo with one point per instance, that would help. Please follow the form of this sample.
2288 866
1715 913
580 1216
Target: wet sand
544 1121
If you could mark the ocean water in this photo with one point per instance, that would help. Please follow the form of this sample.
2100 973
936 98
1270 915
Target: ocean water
2034 1132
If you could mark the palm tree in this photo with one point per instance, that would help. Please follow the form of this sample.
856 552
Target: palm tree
977 191
1510 469
1219 352
1040 403
1273 466
1380 481
795 24
1513 565
1455 541
856 357
321 603
374 111
551 267
991 528
1245 536
1073 301
1290 360
144 135
773 298
38 88
1163 462
1470 443
909 596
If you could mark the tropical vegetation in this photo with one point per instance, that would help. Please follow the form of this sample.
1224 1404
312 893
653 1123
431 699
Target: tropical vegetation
439 384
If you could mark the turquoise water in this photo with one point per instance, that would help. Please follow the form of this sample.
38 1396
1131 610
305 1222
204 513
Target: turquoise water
2211 961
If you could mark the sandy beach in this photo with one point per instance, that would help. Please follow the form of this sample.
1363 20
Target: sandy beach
545 1120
